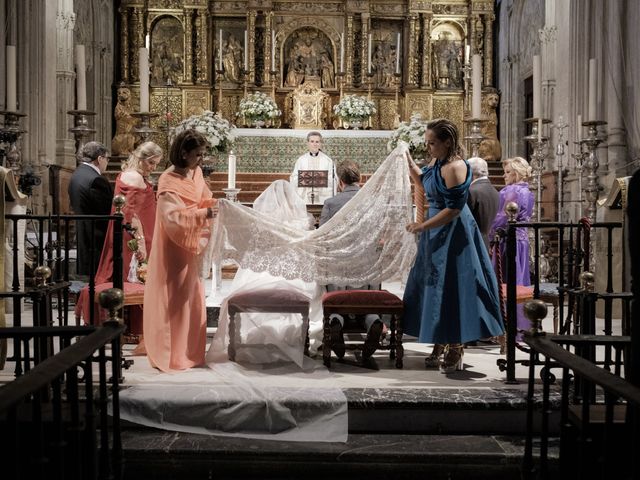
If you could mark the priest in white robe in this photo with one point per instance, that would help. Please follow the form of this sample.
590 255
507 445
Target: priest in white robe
315 159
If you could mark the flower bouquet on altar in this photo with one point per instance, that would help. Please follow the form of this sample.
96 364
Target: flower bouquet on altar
353 110
258 108
411 132
212 126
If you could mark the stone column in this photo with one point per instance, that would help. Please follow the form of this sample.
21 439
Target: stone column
124 39
65 84
426 80
188 51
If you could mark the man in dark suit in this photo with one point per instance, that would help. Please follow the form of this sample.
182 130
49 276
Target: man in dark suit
483 199
348 177
90 193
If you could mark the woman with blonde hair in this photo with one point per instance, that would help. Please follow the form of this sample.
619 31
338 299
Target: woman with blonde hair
516 189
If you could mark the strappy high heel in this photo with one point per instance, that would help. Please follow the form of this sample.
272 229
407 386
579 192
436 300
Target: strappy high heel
433 360
452 358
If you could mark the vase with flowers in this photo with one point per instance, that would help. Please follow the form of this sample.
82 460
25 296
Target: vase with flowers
412 133
354 110
257 109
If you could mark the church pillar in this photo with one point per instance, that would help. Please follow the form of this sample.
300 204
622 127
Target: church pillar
188 51
202 47
426 80
612 92
365 48
137 41
65 83
266 54
488 49
124 38
412 60
251 28
349 47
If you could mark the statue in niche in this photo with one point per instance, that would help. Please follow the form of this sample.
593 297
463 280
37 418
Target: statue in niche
383 65
446 62
124 140
167 50
309 59
232 57
478 40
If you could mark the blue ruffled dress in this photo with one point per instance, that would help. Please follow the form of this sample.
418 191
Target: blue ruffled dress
452 293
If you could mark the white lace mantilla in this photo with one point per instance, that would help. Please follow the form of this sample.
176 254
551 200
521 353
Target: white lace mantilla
364 243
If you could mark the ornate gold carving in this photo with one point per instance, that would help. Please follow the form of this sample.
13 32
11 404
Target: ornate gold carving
419 5
175 4
450 107
124 25
387 110
447 48
261 4
449 9
202 47
418 103
229 6
306 107
386 9
195 102
167 51
188 33
309 58
357 6
306 7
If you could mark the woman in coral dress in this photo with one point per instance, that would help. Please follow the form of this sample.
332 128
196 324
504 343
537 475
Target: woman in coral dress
174 309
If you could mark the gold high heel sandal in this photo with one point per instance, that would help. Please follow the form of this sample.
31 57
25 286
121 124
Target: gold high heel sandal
433 360
452 358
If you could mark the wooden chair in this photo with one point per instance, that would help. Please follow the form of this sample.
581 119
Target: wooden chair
266 301
361 302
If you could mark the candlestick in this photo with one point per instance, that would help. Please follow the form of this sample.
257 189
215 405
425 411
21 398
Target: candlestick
475 135
231 182
81 129
81 79
144 79
579 129
467 52
144 129
10 133
369 54
220 49
593 66
539 130
246 50
537 86
398 54
273 50
342 52
11 102
476 86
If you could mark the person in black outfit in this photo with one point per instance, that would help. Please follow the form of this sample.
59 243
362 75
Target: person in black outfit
483 199
90 193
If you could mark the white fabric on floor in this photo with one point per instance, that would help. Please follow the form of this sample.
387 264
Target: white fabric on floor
230 400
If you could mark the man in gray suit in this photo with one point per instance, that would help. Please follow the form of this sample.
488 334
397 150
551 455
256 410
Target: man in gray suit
348 174
483 199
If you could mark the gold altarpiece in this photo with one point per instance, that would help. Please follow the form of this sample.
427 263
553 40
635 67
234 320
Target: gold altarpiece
201 58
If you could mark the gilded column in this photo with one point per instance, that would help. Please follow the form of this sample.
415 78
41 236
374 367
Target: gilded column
471 38
426 80
188 42
202 47
266 54
412 61
124 58
251 28
349 48
364 63
488 48
137 41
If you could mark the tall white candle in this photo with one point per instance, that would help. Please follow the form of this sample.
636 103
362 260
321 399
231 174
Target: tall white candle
476 86
593 67
231 182
81 79
220 49
467 52
11 101
341 52
369 53
147 41
537 87
143 61
246 51
398 53
273 50
579 128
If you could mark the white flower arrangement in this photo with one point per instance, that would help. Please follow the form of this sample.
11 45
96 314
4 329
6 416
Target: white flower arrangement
212 126
258 106
411 132
354 107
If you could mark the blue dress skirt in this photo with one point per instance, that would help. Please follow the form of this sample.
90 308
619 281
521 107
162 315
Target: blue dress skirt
452 293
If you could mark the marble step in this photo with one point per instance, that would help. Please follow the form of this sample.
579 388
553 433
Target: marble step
169 455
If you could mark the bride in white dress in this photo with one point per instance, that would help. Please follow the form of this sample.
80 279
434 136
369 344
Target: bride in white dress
272 337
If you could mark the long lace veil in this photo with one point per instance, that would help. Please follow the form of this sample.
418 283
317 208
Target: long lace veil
364 243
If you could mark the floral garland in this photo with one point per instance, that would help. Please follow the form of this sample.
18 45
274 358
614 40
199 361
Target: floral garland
411 132
353 107
258 106
212 126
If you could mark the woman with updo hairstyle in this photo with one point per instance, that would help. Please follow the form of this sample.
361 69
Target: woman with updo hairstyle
174 310
516 173
139 211
451 295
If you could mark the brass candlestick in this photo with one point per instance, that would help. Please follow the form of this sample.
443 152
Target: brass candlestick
245 80
273 76
475 135
579 159
340 76
396 86
81 129
538 143
10 133
220 73
144 130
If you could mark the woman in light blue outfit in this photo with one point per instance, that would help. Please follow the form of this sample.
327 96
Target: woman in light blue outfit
451 295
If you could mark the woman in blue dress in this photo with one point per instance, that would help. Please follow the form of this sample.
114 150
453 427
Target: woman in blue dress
451 295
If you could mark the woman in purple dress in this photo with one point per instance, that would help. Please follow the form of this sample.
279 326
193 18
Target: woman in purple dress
516 173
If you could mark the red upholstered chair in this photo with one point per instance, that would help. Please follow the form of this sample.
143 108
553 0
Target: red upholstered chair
361 302
266 301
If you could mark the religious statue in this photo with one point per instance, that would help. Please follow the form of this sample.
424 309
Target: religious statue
446 62
167 63
309 60
124 140
478 40
489 106
232 56
328 75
